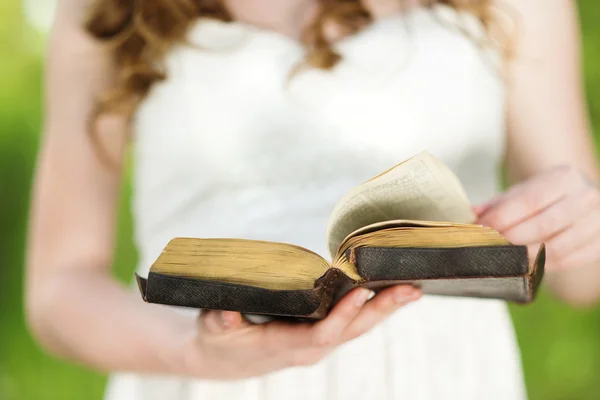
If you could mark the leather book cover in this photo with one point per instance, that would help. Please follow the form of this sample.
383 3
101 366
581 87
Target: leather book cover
498 272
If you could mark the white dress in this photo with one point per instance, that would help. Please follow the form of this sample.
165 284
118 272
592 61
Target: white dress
231 145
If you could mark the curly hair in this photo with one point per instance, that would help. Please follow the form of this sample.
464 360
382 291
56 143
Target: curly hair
142 32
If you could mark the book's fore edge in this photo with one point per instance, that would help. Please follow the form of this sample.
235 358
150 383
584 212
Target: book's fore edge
142 286
166 253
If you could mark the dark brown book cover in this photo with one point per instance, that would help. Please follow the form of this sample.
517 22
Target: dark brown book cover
498 272
412 224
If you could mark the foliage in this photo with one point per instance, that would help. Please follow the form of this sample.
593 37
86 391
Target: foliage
561 350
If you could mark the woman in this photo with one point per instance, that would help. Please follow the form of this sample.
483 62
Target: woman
267 114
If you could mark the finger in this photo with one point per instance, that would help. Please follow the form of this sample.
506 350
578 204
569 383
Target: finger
563 250
217 322
531 197
583 230
533 251
328 332
280 337
587 254
209 321
306 357
380 307
554 219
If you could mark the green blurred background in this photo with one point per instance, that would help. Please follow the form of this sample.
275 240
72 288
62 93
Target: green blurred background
560 346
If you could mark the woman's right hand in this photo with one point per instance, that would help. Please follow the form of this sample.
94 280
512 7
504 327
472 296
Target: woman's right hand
225 346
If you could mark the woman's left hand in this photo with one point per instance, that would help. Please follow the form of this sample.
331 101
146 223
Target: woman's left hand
560 208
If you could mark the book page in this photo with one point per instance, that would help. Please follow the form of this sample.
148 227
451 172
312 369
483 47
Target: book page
420 188
268 265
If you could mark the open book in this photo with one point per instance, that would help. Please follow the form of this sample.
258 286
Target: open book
411 224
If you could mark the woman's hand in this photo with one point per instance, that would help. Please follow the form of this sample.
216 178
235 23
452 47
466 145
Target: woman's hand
560 208
225 346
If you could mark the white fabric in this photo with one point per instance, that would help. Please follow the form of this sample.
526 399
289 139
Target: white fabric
231 145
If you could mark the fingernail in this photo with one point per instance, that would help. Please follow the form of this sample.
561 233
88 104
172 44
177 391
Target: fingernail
362 297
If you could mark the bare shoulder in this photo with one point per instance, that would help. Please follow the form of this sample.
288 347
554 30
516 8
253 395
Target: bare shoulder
70 24
533 15
79 69
75 58
74 10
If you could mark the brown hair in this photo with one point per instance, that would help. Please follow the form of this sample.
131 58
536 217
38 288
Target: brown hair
143 31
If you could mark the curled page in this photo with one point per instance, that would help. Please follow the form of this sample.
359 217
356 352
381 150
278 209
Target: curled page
420 188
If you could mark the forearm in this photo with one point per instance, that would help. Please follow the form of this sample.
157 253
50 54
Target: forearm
87 317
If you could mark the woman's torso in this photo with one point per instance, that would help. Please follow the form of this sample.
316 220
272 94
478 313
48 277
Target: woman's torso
232 145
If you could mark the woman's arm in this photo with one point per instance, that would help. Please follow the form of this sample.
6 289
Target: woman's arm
75 308
550 151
